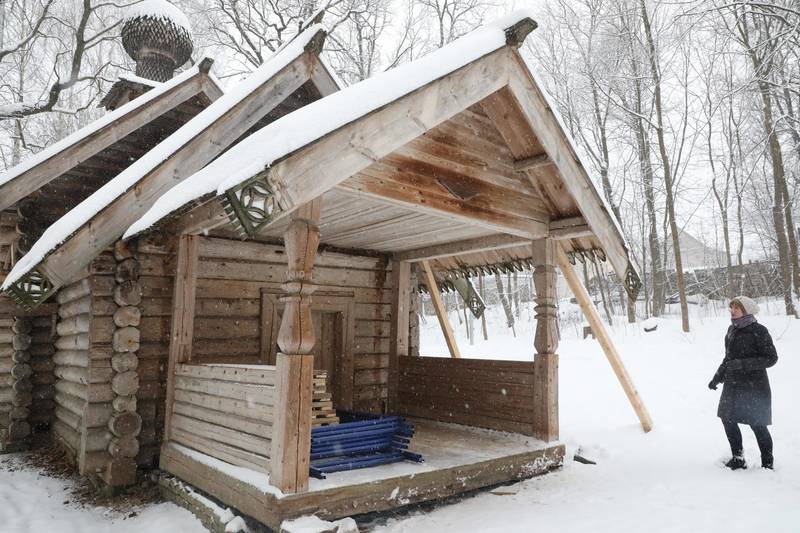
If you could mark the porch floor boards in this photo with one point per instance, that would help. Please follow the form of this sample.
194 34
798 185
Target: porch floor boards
457 459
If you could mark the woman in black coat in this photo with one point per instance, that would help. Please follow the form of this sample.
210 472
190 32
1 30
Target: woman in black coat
746 395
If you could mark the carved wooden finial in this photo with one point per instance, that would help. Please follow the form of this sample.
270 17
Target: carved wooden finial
516 34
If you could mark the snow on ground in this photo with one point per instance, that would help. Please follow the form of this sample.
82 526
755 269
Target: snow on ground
31 503
670 480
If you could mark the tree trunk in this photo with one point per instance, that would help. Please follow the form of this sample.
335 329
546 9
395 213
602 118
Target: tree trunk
668 185
506 305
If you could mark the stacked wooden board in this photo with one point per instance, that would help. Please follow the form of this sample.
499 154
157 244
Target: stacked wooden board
322 409
363 441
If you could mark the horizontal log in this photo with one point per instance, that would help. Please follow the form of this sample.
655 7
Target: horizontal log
239 422
252 443
221 451
125 424
128 293
18 430
469 420
21 341
124 362
124 447
126 339
22 385
79 358
22 325
127 270
74 325
252 394
74 291
73 342
122 404
256 375
125 383
227 406
21 356
98 392
21 371
84 375
127 316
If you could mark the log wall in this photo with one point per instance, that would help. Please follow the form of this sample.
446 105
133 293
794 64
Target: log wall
489 394
43 336
82 369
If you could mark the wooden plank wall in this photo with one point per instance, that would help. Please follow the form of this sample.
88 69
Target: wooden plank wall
225 412
228 319
489 394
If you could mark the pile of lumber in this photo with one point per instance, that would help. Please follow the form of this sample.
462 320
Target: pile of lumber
322 410
367 440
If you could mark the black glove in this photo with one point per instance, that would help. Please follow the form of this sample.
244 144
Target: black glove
712 385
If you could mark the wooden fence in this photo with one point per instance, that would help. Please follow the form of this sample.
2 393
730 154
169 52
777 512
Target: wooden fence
225 411
482 393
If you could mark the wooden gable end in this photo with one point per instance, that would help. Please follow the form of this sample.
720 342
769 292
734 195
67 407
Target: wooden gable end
302 81
107 150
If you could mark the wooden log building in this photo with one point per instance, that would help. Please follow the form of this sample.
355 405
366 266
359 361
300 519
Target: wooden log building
278 232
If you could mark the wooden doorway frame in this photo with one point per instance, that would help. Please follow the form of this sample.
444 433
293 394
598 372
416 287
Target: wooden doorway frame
343 303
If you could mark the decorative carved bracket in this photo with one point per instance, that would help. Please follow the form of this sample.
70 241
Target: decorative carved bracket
633 284
471 298
31 289
251 205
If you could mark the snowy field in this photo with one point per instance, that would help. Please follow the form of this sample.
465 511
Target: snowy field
671 480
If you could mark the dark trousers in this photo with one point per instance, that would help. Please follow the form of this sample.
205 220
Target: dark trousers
763 438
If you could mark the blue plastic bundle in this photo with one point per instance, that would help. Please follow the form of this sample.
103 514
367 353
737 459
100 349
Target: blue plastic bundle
360 441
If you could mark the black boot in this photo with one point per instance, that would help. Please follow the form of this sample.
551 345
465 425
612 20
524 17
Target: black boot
736 463
766 462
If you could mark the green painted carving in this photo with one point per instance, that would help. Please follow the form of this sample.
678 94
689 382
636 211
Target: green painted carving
31 289
633 284
470 296
251 205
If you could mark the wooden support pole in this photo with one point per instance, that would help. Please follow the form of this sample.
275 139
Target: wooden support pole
545 391
441 314
593 317
291 437
183 303
401 307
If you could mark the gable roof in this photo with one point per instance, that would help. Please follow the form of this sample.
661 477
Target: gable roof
314 150
46 165
97 222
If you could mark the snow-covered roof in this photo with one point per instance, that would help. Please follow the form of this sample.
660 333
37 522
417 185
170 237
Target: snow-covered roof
102 122
84 212
312 122
158 9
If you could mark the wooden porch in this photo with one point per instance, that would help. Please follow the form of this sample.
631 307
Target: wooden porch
458 459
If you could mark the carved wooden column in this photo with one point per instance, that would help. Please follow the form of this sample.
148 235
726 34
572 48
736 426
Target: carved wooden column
545 394
291 435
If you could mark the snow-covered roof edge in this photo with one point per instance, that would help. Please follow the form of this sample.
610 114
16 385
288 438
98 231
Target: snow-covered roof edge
107 119
291 132
84 212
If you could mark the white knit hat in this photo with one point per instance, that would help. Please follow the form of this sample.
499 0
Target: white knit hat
748 304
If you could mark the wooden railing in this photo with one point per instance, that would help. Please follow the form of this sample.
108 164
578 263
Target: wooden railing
482 393
225 411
